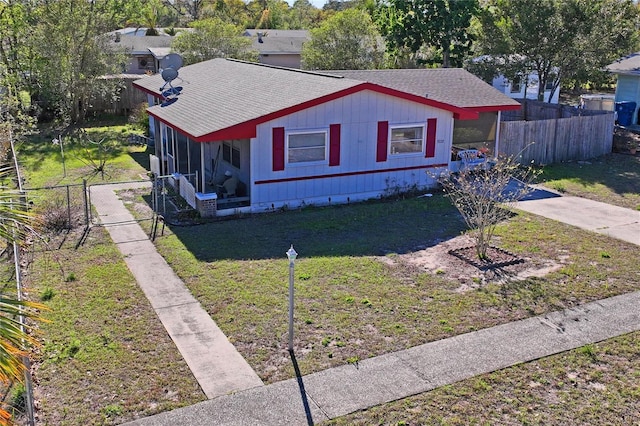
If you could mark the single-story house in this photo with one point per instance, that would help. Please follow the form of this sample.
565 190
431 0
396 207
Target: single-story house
525 87
145 52
295 137
281 48
627 70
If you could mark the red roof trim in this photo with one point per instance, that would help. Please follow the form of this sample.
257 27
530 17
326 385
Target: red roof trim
458 112
247 129
151 92
184 132
363 172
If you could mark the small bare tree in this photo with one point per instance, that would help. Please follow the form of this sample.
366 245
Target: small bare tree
94 154
484 196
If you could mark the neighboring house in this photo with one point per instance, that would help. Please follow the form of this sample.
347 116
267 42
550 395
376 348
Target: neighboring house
627 70
278 47
145 52
295 137
525 87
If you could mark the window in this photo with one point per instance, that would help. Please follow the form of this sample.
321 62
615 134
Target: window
231 153
143 63
406 140
307 147
516 84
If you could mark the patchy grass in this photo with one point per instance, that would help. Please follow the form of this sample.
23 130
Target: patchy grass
350 304
105 356
594 384
613 179
42 160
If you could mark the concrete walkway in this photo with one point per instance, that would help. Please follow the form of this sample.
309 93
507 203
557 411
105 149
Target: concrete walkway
342 390
239 398
214 361
614 221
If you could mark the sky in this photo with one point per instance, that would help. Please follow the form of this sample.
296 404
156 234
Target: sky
317 3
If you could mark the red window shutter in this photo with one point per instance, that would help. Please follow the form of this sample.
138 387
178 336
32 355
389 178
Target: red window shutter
383 136
431 138
334 145
278 148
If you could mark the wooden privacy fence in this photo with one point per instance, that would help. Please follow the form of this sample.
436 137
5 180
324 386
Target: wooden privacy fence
557 140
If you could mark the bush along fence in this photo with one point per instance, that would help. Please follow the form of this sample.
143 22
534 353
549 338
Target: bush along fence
554 140
62 207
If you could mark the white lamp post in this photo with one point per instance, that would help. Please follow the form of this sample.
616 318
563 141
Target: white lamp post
291 254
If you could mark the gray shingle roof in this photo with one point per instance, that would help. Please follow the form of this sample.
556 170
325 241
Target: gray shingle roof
454 86
138 45
628 65
278 42
220 94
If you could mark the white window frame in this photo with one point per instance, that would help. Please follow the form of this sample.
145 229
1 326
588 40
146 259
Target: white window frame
324 132
393 127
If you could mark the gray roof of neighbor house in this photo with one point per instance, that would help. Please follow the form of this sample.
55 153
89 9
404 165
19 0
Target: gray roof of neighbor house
454 86
226 99
277 42
140 45
630 64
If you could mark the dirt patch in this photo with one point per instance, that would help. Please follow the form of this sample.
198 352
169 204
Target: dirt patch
625 139
438 260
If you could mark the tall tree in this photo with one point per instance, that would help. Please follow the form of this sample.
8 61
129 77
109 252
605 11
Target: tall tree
232 11
440 24
73 53
347 40
567 40
16 61
213 38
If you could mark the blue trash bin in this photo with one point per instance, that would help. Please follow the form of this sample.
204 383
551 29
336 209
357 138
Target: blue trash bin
625 110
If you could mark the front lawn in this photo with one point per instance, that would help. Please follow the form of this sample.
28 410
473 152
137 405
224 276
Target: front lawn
357 293
613 179
106 358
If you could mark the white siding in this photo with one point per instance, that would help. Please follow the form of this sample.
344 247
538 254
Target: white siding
528 88
358 115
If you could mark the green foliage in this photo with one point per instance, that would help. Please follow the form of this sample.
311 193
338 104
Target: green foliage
570 40
213 38
47 294
347 40
439 24
72 53
140 118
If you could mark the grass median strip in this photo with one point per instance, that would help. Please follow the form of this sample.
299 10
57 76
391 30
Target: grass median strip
594 384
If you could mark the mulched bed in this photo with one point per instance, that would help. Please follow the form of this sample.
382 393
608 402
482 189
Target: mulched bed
496 257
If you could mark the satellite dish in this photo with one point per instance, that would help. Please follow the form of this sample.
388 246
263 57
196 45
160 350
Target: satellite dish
172 60
169 74
170 65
